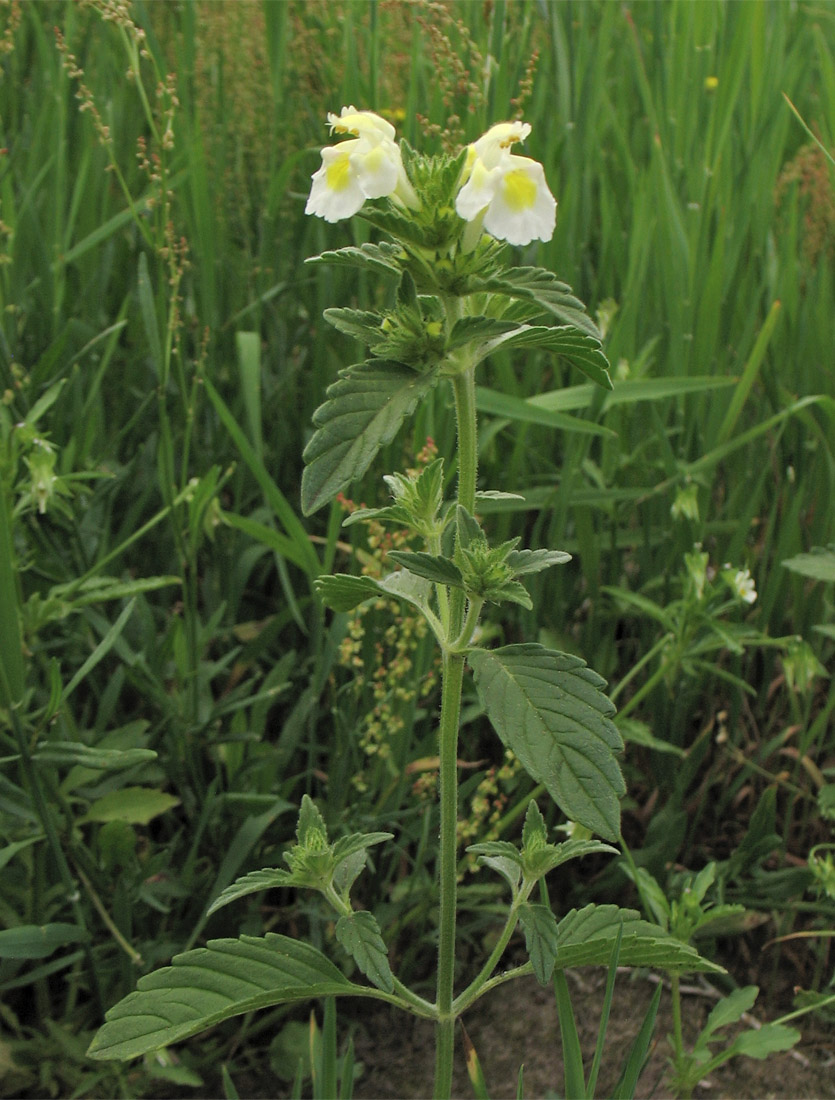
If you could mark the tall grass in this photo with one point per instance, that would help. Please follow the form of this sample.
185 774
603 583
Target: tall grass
160 331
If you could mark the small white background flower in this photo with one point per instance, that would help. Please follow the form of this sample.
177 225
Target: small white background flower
509 191
743 585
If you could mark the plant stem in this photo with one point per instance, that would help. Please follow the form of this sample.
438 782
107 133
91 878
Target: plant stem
464 388
678 1039
453 677
477 986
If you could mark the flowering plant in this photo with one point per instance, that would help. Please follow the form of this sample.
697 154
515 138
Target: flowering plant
457 300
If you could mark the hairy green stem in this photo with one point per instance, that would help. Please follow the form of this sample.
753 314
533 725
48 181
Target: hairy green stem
453 677
678 1037
463 386
479 983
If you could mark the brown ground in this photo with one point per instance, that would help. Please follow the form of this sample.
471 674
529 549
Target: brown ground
516 1024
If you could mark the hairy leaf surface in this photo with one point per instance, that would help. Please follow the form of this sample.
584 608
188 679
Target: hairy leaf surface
579 348
360 935
549 710
363 411
383 258
585 938
542 287
211 984
541 939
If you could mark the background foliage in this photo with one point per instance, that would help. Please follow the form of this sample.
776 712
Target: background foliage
161 353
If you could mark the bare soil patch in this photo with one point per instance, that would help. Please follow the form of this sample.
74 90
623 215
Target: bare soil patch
516 1025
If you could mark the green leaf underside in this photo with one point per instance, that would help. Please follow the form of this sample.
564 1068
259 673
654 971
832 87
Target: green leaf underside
466 329
203 987
428 566
542 287
270 878
579 348
363 411
541 939
360 935
585 938
382 257
534 561
549 710
362 324
343 592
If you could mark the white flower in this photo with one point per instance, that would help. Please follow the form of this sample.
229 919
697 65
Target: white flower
743 585
367 167
508 191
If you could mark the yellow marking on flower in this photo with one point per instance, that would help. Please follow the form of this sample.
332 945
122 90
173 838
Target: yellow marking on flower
519 190
348 124
338 174
374 159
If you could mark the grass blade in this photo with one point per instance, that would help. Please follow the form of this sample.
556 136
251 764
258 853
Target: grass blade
575 1085
628 1082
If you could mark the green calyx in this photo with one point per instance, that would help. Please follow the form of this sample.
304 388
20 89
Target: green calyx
523 867
318 864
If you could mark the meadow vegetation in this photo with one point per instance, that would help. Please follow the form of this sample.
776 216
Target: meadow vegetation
171 685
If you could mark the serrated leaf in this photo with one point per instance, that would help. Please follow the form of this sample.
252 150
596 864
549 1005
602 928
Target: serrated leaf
343 592
383 257
136 805
549 709
203 987
469 528
534 561
580 349
311 831
534 832
363 411
349 855
405 228
430 567
358 842
347 871
541 861
542 287
362 324
403 585
510 592
360 935
586 937
541 939
509 869
466 329
390 513
270 878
